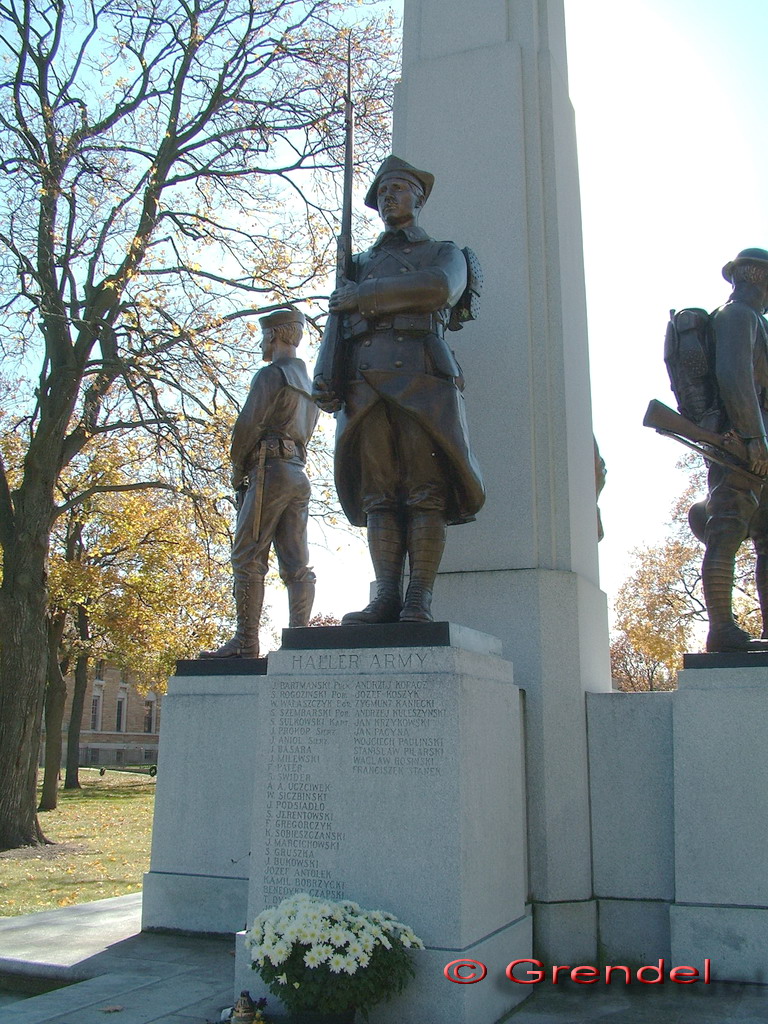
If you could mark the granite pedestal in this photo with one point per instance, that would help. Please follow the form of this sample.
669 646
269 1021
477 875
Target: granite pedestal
393 776
198 875
721 811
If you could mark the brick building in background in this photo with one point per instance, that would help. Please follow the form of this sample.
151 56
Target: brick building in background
120 725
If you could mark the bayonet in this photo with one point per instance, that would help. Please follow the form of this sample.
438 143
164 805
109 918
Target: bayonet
330 368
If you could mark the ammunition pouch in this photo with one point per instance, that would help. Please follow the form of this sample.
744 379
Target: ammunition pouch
407 323
279 448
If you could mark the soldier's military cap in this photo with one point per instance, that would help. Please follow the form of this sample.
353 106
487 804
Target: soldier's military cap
280 317
759 256
394 167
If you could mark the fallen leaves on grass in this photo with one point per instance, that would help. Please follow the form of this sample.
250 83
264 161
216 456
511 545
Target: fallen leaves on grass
102 836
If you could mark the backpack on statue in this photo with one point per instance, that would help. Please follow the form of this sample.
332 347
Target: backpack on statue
689 352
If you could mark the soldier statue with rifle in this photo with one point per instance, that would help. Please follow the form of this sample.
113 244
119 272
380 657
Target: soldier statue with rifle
403 465
731 422
268 453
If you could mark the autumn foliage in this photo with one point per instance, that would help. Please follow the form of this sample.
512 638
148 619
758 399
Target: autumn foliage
167 169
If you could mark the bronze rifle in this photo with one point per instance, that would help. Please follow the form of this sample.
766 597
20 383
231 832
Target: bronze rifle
727 450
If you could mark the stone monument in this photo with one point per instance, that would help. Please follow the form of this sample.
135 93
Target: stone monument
484 104
445 839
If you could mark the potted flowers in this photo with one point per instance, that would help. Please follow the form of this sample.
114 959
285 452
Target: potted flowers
326 960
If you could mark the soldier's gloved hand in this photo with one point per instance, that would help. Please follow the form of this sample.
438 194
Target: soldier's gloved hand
322 395
757 452
345 298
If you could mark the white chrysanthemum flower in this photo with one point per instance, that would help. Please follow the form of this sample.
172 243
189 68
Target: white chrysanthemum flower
336 963
280 953
339 936
309 933
312 958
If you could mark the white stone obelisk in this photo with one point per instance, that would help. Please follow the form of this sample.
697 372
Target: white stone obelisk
483 104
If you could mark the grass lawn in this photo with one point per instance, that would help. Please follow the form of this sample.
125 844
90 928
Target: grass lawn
101 835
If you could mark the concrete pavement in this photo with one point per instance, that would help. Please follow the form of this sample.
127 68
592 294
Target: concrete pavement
106 966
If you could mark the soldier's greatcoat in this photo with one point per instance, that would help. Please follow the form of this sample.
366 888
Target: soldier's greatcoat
397 354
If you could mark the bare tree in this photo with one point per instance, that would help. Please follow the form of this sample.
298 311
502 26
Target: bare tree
161 167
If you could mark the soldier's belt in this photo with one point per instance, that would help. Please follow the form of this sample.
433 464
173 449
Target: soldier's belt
408 323
281 448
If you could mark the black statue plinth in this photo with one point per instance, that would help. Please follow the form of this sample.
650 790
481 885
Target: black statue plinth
221 667
727 659
380 634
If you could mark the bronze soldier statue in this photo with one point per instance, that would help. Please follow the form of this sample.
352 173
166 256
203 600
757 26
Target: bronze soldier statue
737 507
403 464
268 453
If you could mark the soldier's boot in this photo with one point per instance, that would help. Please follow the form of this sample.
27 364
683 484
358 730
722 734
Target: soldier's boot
249 598
301 595
386 543
426 542
717 582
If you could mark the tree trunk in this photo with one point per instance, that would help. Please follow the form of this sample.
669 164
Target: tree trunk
72 777
55 699
23 670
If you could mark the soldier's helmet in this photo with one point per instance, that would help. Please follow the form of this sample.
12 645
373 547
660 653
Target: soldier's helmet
757 256
283 316
394 167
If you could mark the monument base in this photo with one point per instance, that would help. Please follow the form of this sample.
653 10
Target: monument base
679 787
198 876
721 806
394 776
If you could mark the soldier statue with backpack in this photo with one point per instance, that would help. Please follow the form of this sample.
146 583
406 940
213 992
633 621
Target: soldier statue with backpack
718 366
403 464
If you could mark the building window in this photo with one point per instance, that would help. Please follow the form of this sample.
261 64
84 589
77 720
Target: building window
149 755
118 757
100 667
149 716
120 715
93 755
96 712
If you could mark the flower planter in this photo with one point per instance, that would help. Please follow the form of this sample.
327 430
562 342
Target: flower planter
315 952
